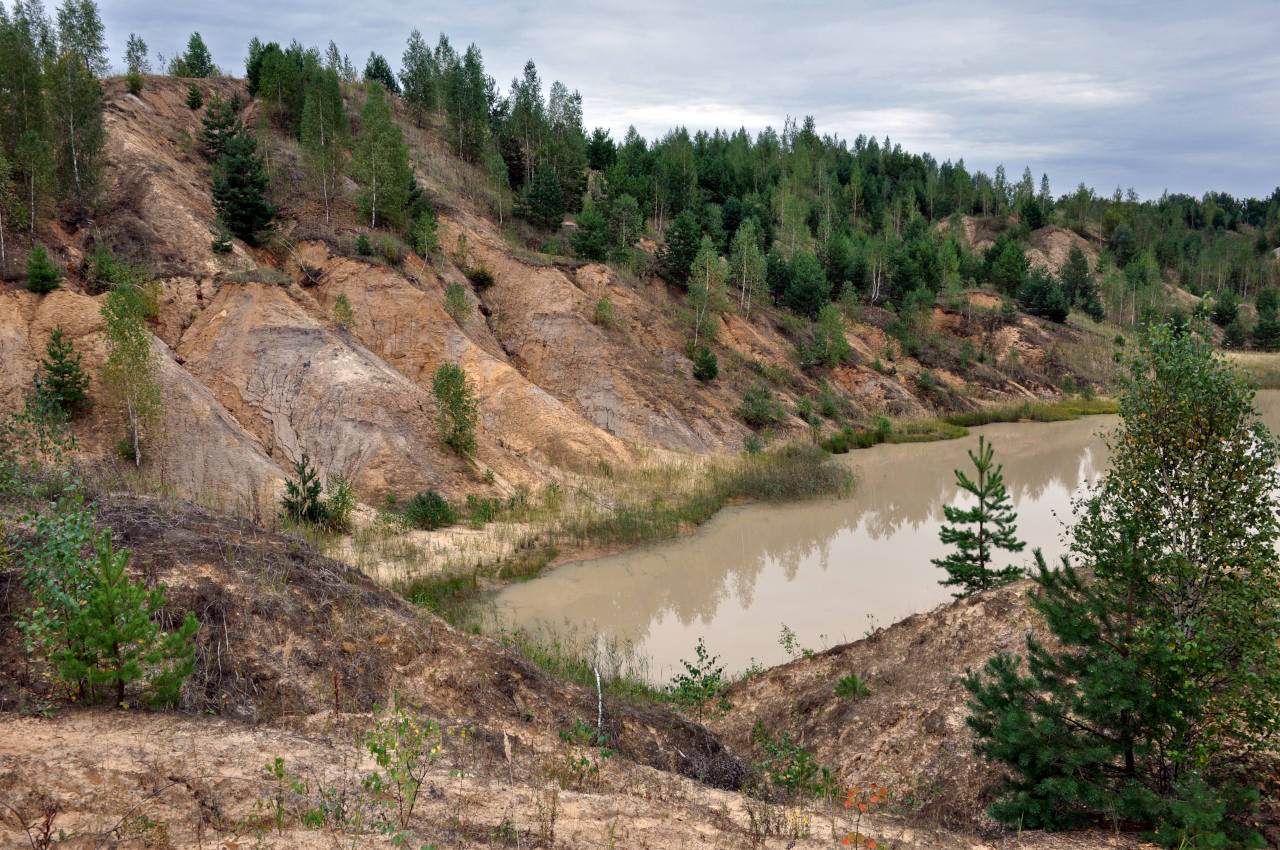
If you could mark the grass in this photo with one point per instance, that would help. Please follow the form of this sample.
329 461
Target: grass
623 673
1263 367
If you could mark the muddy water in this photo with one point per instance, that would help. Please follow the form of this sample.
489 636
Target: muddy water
830 570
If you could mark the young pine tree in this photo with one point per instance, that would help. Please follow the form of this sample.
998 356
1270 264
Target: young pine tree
457 403
64 382
1164 680
302 501
42 277
979 530
119 642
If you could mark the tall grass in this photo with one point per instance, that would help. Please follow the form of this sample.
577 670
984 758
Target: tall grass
624 673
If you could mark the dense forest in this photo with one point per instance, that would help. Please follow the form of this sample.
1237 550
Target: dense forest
803 218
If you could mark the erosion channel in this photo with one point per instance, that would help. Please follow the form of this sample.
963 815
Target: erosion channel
830 570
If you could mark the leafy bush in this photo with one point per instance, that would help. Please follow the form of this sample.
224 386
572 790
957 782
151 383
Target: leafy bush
603 315
759 408
702 682
429 511
705 365
339 504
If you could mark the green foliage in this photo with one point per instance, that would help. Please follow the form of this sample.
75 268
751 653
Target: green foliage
1226 308
377 70
116 640
457 413
759 408
808 290
830 347
683 240
135 62
221 243
429 511
976 531
343 316
543 201
63 382
380 164
217 126
1041 295
700 688
1005 264
1233 335
302 501
456 303
480 276
42 277
339 504
851 687
590 239
790 766
1168 669
195 62
240 187
129 373
195 99
422 235
363 246
403 749
705 365
603 314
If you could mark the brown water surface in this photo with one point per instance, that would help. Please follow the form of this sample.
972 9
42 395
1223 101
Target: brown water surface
830 570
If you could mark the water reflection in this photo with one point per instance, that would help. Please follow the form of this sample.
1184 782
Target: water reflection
830 570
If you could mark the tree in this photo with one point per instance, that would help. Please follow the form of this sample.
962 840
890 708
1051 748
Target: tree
42 277
977 531
705 298
119 641
33 158
129 373
418 73
64 381
467 93
1079 285
378 69
1124 246
195 99
217 126
544 200
80 33
1166 673
324 134
1041 295
196 62
625 224
75 103
1226 308
301 501
8 204
135 62
747 266
240 187
590 240
684 237
457 415
381 161
809 288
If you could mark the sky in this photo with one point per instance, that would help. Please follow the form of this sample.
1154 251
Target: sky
1154 96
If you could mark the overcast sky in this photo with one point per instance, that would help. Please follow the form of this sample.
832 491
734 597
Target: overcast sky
1183 96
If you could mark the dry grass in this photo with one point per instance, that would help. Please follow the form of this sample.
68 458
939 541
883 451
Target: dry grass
1262 366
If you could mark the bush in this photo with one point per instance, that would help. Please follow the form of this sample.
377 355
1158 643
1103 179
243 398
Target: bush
457 415
456 303
603 315
851 687
302 502
343 316
759 408
429 511
705 365
363 246
480 276
195 99
42 277
339 505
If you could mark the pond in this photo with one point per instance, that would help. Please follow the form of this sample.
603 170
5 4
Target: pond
830 570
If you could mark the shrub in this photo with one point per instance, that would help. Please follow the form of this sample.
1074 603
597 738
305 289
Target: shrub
302 502
480 276
42 277
339 505
429 511
759 408
195 99
363 246
702 682
389 251
705 365
456 303
457 415
604 312
851 687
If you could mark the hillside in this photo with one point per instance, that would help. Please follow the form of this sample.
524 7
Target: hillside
256 372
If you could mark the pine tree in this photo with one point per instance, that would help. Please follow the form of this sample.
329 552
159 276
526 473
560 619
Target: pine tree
302 502
418 75
590 240
119 641
377 69
196 62
217 125
544 200
64 381
683 239
1165 674
381 161
977 531
240 187
195 99
42 277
